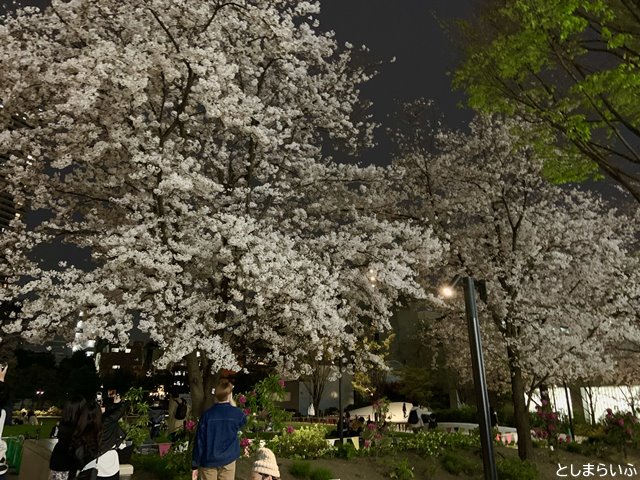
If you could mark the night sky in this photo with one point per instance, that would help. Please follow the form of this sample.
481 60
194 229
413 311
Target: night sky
410 31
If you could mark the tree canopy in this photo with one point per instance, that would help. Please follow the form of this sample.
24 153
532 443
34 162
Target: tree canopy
181 144
558 262
571 68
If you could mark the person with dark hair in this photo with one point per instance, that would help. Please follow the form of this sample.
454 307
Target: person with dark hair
63 464
85 441
217 446
96 439
178 412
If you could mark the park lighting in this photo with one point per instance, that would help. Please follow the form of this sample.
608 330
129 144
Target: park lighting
447 291
477 364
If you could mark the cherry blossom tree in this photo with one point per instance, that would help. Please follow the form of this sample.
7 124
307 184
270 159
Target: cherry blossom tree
180 144
562 284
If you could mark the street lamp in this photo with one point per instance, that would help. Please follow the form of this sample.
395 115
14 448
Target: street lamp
340 421
39 394
477 363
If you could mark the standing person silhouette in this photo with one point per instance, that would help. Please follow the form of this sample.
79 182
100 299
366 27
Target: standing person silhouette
217 446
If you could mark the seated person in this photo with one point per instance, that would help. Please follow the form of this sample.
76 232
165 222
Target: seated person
265 467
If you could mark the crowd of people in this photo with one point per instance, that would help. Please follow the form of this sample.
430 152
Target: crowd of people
90 440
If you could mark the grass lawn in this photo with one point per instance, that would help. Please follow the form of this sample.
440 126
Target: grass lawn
30 431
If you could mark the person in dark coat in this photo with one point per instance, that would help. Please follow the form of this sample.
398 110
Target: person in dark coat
217 446
63 463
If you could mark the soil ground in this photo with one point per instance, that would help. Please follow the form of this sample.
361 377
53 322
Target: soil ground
373 468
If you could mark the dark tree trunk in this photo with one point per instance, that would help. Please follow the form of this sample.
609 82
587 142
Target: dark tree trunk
525 446
201 383
577 406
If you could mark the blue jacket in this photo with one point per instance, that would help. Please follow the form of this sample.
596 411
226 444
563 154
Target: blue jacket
217 441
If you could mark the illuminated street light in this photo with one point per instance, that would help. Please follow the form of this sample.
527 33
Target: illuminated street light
447 292
477 363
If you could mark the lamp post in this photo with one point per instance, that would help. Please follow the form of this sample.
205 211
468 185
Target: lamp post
477 363
340 406
340 430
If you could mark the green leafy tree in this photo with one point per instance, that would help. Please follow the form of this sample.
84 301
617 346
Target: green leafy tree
571 68
370 383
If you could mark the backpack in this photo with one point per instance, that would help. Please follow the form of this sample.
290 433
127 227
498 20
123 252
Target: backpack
181 410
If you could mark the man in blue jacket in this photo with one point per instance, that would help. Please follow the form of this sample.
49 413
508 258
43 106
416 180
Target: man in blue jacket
217 446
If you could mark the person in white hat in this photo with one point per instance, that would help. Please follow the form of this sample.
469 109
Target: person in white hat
265 467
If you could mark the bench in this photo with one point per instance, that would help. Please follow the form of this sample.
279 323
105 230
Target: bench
354 440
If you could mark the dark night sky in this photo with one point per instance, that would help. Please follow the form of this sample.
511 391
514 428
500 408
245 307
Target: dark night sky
410 31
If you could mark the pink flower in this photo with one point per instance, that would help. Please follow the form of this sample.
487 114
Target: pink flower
290 429
551 427
242 399
544 402
281 382
609 412
621 422
190 425
247 411
371 426
245 442
367 443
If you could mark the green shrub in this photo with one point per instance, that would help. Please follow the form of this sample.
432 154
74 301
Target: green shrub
537 443
455 464
321 474
588 430
506 414
516 469
401 470
432 442
300 469
346 451
573 447
153 464
305 442
621 429
464 414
